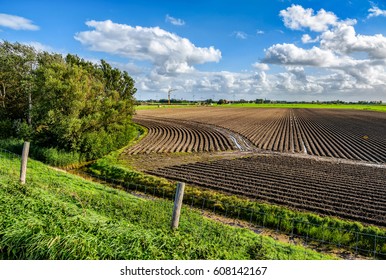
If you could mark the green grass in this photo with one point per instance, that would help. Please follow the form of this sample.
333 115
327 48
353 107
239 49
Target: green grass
56 215
380 108
51 156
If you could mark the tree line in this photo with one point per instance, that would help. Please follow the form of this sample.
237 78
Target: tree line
66 103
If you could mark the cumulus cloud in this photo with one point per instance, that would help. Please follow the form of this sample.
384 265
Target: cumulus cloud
342 62
260 32
365 73
168 52
295 80
344 39
129 67
306 39
297 18
174 21
17 23
350 61
293 84
260 66
289 54
337 36
221 84
374 11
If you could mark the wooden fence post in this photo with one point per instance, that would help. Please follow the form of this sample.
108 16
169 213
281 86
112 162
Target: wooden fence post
177 205
24 159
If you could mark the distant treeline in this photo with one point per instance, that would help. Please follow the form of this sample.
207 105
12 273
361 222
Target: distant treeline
267 101
257 101
65 103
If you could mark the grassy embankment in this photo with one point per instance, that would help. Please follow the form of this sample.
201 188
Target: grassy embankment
56 215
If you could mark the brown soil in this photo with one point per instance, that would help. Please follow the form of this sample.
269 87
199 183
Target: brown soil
344 134
152 161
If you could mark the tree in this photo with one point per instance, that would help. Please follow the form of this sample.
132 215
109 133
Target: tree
17 74
77 105
222 101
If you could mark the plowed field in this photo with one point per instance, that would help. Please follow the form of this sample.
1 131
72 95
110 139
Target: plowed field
346 134
349 191
331 162
181 136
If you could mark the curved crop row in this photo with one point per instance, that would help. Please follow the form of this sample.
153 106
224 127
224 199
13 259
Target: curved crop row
180 136
350 191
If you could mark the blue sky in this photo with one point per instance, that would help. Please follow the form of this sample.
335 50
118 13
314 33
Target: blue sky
275 49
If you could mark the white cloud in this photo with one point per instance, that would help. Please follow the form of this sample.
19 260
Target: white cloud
329 70
17 23
374 11
293 84
344 39
168 52
129 67
240 35
350 61
295 80
260 32
260 66
223 84
365 73
306 39
174 21
297 18
289 54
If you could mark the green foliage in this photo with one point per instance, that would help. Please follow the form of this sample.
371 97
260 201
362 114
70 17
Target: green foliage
17 64
6 128
56 215
64 103
55 157
51 156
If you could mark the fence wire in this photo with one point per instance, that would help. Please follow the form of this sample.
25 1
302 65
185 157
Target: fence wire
349 244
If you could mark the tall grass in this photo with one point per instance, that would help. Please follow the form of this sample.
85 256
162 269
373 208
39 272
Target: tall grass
50 156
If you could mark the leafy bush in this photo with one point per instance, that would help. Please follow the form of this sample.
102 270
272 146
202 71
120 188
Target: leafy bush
6 128
51 156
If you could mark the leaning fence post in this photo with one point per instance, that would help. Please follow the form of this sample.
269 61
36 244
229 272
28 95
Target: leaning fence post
24 159
177 205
